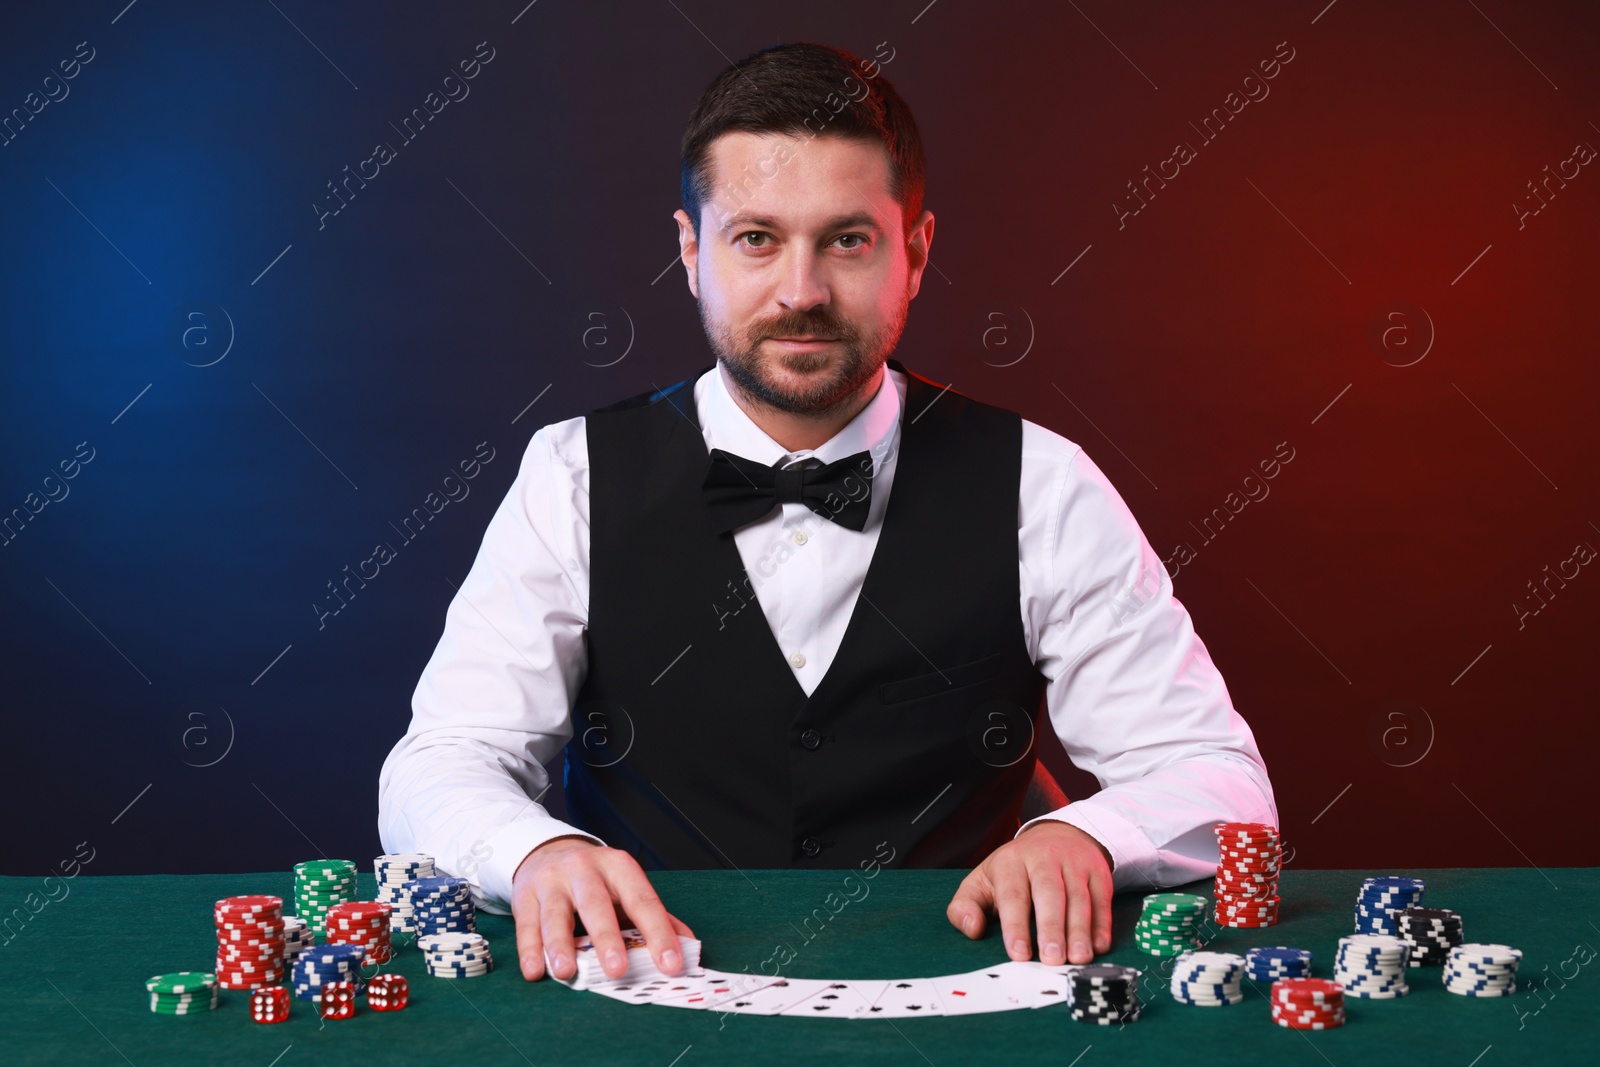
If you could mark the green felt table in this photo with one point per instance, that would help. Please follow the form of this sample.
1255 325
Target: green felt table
72 984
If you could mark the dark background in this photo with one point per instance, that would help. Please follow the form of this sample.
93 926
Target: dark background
168 694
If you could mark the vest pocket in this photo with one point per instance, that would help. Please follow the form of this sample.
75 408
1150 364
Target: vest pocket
945 680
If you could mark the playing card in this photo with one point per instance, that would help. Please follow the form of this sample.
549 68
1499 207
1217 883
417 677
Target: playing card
906 998
1044 985
707 990
1003 987
978 991
772 999
836 1000
645 989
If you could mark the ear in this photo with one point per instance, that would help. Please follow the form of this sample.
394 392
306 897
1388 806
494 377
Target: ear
918 242
688 250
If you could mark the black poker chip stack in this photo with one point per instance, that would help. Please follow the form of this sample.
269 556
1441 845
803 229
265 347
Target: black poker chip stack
1431 933
1106 994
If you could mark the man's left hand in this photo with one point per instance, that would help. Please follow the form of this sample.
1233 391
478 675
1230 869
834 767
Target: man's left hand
1056 871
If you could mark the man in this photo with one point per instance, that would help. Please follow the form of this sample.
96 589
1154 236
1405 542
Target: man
804 606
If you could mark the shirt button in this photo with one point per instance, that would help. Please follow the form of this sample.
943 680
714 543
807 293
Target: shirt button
798 659
811 739
811 846
800 537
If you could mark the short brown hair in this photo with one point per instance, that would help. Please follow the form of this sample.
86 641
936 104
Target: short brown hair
789 88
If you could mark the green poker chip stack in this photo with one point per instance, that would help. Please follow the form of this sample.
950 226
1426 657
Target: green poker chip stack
320 885
1170 924
182 992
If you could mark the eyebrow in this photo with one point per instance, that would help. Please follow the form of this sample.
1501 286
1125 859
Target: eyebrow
744 220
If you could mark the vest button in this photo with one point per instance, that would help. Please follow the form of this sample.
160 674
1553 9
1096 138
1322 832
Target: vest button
811 739
811 846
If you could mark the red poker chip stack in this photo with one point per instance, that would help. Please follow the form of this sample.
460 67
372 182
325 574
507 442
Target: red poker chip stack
1307 1003
364 923
250 941
1248 856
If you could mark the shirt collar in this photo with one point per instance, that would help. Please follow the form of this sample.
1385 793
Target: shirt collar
725 425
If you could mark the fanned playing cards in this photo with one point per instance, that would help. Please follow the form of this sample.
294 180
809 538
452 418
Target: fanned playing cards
1004 987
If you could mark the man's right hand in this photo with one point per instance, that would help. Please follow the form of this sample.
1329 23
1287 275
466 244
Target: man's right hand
573 876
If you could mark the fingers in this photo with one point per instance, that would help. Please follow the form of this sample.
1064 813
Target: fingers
1013 898
640 903
530 945
555 928
592 897
1079 905
680 926
969 909
1100 890
1049 909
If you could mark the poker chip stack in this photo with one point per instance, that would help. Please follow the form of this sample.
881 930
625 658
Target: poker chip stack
1307 1003
393 872
1431 933
364 923
1474 970
1208 979
1372 966
1170 923
1279 961
442 905
323 965
1381 899
319 885
456 955
1248 858
182 992
1106 994
297 937
250 942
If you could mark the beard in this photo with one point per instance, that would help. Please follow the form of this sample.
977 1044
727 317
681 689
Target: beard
848 364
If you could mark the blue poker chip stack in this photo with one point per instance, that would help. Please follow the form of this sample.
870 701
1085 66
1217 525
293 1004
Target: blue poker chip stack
1474 970
322 965
1279 961
1381 899
442 905
1208 979
1372 966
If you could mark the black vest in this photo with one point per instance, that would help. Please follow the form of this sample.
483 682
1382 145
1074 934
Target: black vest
693 744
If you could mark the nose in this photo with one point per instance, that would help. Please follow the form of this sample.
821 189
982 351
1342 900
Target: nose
803 286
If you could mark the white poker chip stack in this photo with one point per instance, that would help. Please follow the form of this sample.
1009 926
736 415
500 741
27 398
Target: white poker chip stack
393 872
1372 966
1474 970
1209 979
463 955
297 937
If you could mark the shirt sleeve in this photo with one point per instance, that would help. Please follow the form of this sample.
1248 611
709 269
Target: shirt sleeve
1132 693
493 703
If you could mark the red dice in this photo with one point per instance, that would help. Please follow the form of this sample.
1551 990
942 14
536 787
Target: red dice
338 1000
269 1005
388 992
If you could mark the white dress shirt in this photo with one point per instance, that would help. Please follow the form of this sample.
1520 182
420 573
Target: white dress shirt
1131 693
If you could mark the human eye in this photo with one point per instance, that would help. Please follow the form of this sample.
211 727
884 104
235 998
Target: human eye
860 240
747 235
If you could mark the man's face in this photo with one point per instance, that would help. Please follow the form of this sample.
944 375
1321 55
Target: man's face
808 244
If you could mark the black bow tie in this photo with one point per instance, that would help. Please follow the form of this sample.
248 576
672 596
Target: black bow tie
740 491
